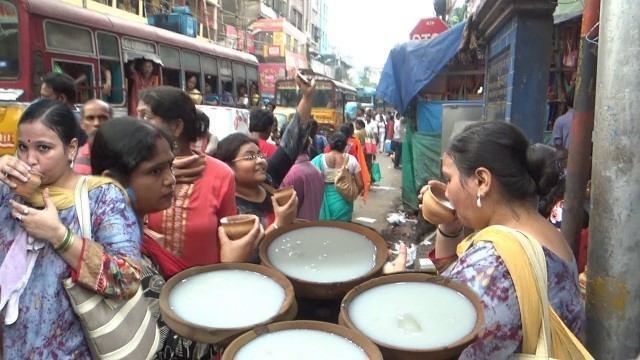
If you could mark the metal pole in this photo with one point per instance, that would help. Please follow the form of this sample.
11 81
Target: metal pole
578 167
613 304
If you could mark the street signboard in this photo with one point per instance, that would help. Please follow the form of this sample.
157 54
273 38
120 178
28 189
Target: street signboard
428 29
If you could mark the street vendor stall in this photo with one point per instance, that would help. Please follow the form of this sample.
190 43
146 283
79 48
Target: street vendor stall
426 82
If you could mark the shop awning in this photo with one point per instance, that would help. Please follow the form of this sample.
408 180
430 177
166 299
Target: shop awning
130 55
412 65
566 11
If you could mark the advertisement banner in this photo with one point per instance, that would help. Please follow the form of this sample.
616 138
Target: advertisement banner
224 121
295 61
278 38
269 73
273 51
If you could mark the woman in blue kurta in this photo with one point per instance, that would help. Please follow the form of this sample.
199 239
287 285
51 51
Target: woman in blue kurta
40 239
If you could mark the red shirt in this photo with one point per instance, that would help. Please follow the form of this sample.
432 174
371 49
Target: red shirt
266 147
82 162
190 225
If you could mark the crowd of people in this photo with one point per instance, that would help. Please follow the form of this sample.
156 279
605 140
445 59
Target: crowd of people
156 205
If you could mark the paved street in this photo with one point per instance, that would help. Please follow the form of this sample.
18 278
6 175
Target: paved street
383 198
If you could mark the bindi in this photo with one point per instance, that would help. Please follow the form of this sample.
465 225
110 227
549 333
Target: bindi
29 140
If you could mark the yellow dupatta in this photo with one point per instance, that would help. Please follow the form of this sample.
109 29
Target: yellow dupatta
65 198
564 345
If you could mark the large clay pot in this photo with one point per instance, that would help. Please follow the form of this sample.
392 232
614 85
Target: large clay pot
333 290
221 336
450 351
372 351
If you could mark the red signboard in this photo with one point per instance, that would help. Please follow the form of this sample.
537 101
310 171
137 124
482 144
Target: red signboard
428 29
269 73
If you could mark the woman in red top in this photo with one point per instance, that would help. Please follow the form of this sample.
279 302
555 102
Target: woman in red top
205 190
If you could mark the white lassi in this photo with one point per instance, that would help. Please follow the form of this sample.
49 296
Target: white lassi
413 315
227 298
322 254
300 344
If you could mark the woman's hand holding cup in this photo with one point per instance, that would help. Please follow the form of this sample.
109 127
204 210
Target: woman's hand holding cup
242 249
13 169
286 213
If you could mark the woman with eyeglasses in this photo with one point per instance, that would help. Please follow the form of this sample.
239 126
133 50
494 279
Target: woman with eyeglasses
256 176
205 187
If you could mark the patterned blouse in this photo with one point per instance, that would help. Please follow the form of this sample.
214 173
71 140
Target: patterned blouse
484 271
47 327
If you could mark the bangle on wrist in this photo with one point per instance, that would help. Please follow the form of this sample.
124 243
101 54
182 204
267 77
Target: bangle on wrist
66 242
451 236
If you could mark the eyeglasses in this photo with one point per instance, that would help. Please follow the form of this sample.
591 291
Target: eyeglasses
251 157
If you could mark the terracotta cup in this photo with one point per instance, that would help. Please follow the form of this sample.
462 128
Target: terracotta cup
237 226
436 208
283 195
29 188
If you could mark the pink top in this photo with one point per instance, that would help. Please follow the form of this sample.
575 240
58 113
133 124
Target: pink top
309 185
190 225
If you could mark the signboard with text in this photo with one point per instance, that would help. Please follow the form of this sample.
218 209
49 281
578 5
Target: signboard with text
427 29
269 73
498 68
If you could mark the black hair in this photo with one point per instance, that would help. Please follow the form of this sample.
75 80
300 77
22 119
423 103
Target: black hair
338 141
261 120
203 120
270 104
569 98
361 123
61 83
229 147
56 116
523 170
313 128
173 104
346 129
122 144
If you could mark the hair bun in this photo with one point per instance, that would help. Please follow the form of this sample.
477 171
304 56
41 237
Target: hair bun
543 167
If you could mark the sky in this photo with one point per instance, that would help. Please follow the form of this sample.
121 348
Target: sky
366 30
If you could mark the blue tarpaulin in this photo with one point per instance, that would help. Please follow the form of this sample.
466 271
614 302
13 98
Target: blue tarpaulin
412 65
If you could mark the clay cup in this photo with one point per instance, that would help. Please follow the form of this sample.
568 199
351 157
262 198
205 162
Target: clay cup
436 208
29 188
283 195
237 226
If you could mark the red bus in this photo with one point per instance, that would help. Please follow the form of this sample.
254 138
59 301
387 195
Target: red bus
38 36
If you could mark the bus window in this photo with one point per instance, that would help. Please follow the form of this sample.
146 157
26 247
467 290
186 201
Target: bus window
82 75
240 79
191 65
210 69
171 69
254 93
226 82
57 37
9 42
111 76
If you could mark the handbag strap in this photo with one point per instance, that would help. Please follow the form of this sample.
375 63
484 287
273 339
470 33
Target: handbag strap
82 207
345 156
536 258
